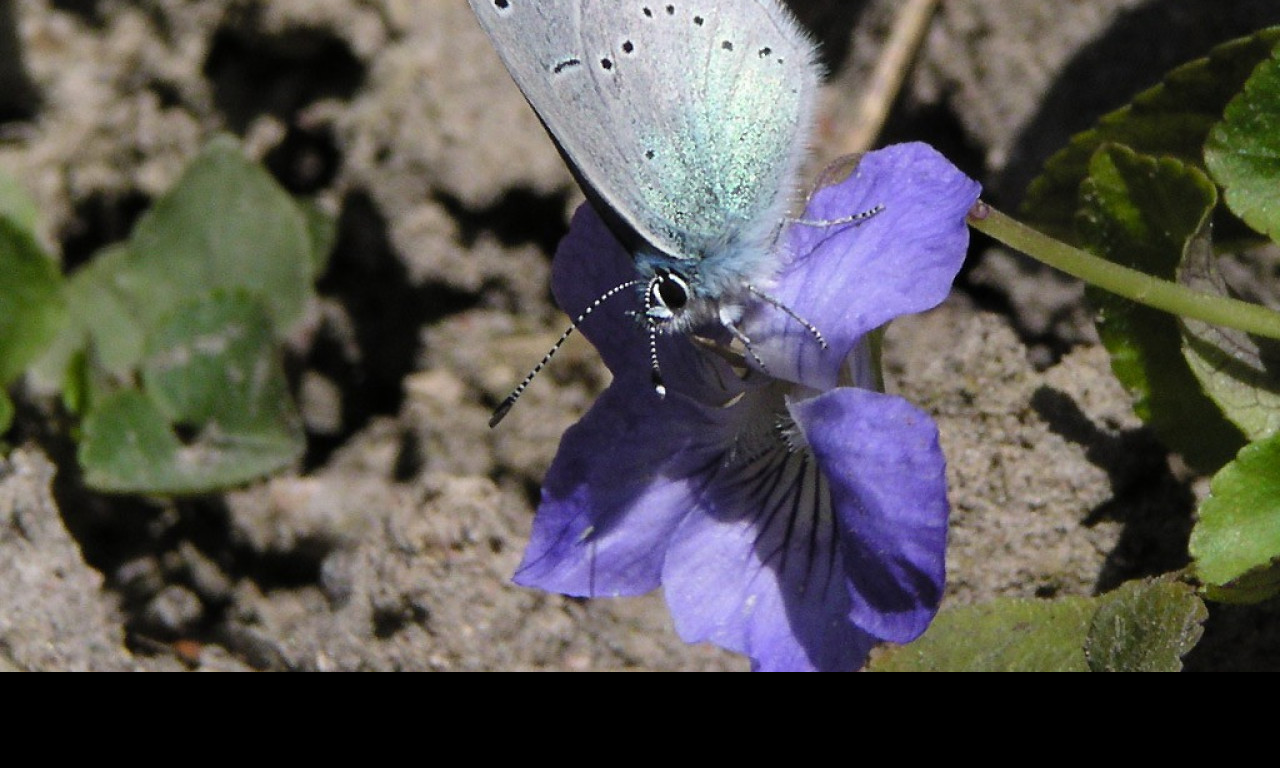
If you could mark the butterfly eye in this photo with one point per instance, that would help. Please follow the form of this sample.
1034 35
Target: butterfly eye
671 291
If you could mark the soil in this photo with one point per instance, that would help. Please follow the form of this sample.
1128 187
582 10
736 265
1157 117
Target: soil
391 545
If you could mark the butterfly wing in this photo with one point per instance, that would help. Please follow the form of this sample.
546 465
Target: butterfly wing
685 120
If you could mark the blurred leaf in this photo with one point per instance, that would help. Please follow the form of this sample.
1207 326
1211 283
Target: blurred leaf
323 231
1236 541
1140 627
226 224
103 326
6 412
129 447
1243 151
16 205
212 373
1173 118
77 384
1143 213
33 307
102 307
1237 370
1145 627
216 360
1002 636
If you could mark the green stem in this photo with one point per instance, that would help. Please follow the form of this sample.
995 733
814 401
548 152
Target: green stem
1122 281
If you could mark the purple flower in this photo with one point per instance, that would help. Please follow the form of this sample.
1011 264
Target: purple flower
795 516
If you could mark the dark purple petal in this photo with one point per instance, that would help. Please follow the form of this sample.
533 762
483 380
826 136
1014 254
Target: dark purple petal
590 261
888 484
758 569
623 479
850 279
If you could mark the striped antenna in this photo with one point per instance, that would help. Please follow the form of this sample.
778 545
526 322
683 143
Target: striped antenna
810 327
659 385
501 411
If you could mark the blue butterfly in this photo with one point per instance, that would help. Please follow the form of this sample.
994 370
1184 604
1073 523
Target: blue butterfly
686 123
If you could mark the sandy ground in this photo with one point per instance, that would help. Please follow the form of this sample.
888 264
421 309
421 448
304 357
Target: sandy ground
392 544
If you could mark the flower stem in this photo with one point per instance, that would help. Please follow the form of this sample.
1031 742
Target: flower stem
1123 281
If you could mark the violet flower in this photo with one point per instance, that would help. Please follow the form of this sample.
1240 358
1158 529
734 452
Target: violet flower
791 514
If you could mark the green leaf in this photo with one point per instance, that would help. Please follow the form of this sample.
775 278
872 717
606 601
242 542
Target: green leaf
1174 118
77 385
226 224
1002 636
103 325
1145 627
1237 370
212 373
1140 627
33 307
6 412
1243 151
216 361
1236 541
323 231
128 446
16 205
1143 213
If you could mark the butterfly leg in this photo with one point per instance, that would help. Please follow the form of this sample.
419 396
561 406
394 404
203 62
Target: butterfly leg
746 343
810 327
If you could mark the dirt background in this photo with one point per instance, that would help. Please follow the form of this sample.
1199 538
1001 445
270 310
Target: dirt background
391 545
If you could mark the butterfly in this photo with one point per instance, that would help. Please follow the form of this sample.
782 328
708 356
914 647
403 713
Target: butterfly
686 123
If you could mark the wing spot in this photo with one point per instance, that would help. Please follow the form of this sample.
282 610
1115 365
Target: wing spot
566 64
766 52
502 5
606 64
699 21
671 10
649 154
628 47
726 45
648 12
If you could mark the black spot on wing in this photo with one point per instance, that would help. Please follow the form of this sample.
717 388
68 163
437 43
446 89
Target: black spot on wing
566 64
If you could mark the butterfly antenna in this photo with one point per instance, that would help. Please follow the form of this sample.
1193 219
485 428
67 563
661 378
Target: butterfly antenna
810 327
501 411
656 377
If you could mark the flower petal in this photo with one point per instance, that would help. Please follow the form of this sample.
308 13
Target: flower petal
889 489
850 279
623 479
758 569
801 558
589 262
